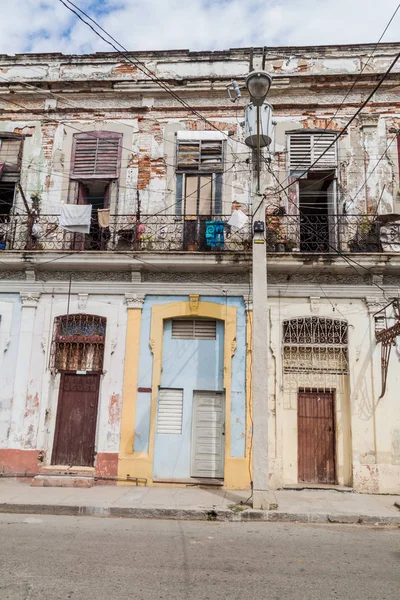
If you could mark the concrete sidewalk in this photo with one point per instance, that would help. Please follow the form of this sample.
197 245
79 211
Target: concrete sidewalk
193 503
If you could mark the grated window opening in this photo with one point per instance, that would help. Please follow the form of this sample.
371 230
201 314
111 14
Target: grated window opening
78 343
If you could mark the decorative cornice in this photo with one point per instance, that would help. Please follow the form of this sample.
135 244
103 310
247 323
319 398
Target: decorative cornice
248 302
29 300
314 304
135 300
194 304
375 304
82 301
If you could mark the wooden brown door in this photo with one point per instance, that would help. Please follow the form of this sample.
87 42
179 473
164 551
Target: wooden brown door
316 437
75 432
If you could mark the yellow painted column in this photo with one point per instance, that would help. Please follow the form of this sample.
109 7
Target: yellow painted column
131 367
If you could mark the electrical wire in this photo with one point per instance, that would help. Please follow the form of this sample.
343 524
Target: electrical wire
352 87
137 63
345 128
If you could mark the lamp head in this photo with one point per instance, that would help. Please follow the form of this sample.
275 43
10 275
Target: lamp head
258 84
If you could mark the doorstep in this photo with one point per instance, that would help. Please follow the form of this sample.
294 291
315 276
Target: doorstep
64 476
298 487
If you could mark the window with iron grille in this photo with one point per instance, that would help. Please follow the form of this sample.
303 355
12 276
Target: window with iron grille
96 155
194 329
78 343
315 344
306 147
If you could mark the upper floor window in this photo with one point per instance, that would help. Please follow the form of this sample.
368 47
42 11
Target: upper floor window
96 155
10 154
305 147
201 155
199 166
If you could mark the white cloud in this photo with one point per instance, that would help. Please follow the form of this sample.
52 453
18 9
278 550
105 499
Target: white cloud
47 26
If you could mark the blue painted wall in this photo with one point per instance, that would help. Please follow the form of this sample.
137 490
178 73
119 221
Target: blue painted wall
181 364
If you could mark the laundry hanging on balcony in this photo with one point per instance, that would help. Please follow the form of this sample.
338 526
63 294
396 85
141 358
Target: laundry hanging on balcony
76 217
103 217
238 219
215 234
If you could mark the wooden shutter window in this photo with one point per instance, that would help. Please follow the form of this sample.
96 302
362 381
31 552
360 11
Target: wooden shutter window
200 156
10 154
306 148
170 411
96 155
194 329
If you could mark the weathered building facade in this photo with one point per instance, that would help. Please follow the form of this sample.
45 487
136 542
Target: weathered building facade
126 347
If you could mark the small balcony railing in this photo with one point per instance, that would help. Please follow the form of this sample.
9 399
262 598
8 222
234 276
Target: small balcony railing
169 233
156 233
316 233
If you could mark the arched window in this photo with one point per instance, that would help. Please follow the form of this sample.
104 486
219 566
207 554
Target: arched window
78 343
317 344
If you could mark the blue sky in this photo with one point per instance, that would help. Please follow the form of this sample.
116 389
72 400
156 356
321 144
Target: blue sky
47 26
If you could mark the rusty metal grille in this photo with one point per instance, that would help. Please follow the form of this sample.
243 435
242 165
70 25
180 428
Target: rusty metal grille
315 344
78 343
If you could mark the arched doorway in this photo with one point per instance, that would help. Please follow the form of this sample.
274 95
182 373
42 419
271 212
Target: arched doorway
77 353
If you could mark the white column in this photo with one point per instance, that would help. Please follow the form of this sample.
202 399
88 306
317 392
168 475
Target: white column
21 381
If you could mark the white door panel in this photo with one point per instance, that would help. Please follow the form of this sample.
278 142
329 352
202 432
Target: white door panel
208 435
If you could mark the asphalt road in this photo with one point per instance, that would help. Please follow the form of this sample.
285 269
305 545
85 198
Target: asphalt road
83 558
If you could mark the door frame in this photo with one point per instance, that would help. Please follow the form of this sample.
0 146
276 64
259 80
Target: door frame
222 394
335 462
59 409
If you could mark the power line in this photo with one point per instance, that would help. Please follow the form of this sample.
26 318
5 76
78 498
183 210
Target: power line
345 128
137 63
352 86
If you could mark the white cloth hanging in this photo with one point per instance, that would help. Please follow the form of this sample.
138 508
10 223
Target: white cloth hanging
238 219
76 217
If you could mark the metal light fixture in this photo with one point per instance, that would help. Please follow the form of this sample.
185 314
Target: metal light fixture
258 84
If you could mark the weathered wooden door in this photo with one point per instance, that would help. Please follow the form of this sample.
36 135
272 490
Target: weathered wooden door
208 434
316 437
75 432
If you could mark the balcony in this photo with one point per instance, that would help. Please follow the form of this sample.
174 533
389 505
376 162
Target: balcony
313 234
152 233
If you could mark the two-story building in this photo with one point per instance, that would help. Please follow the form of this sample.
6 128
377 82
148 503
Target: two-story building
126 295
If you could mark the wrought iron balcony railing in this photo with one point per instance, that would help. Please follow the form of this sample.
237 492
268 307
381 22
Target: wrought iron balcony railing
164 233
125 232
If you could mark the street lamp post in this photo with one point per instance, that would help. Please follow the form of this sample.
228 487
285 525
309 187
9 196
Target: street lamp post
258 84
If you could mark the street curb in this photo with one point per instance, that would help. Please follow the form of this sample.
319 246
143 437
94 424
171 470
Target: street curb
212 514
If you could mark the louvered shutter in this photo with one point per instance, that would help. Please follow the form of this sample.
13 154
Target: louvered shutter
96 155
170 411
10 154
194 329
202 155
306 148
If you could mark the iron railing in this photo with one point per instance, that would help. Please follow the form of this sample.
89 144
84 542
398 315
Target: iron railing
125 232
164 233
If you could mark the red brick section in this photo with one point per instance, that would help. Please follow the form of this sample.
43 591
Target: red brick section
148 168
19 461
48 132
107 466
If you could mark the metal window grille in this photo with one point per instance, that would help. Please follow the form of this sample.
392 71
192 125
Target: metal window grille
78 343
194 329
315 344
